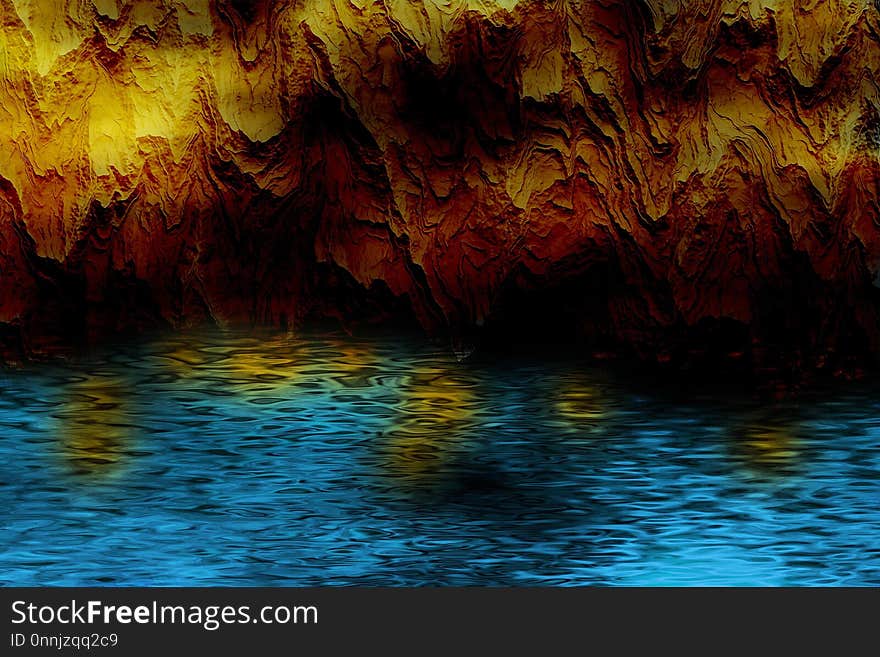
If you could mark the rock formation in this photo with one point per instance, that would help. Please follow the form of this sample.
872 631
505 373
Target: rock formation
668 176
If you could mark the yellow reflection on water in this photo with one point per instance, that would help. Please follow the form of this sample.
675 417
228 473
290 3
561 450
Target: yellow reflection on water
248 364
352 365
580 404
263 367
769 444
182 358
94 429
269 364
432 421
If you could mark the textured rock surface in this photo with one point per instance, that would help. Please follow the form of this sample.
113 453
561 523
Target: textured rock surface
665 174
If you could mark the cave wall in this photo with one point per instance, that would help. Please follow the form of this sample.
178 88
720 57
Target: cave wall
657 167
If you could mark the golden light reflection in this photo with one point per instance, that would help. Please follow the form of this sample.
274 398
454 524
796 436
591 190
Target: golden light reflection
769 445
261 365
353 365
250 365
95 429
266 366
580 404
433 418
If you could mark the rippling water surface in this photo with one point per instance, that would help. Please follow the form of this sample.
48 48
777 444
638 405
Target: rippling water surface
230 459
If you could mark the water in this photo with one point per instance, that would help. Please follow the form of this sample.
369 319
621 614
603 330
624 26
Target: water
228 459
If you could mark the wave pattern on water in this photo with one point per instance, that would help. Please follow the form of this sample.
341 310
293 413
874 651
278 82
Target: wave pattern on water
222 458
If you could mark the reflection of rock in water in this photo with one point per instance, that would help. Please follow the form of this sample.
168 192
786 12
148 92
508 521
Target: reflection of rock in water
580 405
353 365
95 429
767 444
431 429
270 364
257 366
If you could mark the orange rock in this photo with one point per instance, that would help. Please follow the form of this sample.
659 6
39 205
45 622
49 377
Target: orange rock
651 173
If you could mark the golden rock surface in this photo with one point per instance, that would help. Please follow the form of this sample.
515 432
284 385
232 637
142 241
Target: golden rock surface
663 165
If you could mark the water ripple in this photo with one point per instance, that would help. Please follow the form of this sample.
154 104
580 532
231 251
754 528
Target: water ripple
222 458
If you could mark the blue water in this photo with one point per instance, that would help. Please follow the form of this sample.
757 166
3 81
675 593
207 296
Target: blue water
228 459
